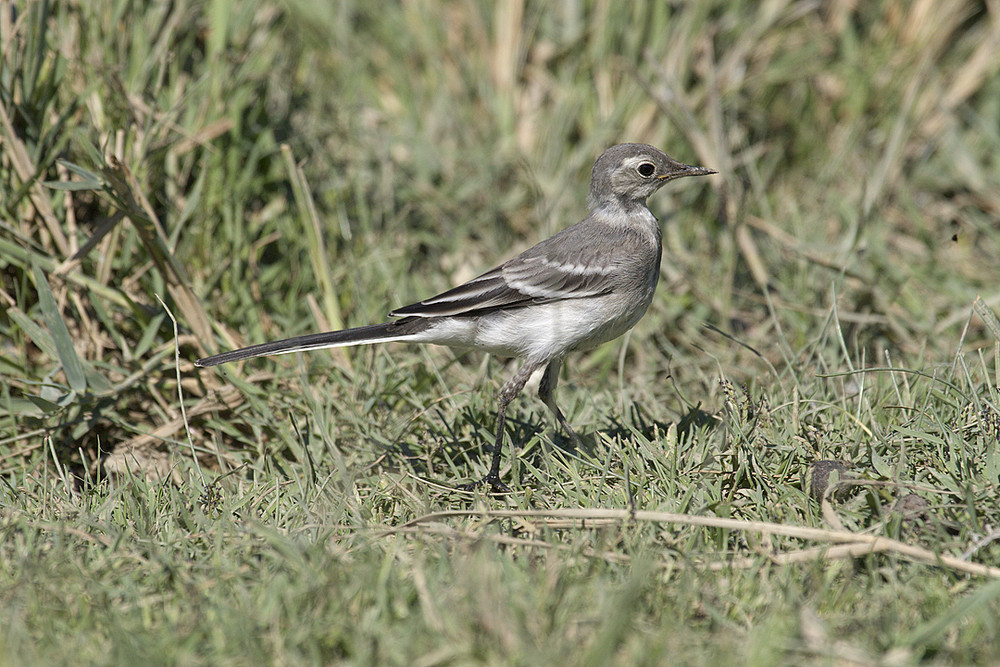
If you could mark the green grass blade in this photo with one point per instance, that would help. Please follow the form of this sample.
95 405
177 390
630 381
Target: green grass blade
65 351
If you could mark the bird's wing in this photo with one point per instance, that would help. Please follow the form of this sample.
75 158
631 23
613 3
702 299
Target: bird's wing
561 267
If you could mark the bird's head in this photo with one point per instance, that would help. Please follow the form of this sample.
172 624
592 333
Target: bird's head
629 173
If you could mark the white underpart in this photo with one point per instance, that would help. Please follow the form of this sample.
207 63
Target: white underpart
541 331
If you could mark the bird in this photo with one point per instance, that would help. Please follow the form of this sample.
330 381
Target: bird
584 286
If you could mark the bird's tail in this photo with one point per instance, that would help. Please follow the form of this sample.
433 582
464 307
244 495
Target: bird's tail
373 333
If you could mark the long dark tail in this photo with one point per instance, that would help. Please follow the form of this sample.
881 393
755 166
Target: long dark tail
373 333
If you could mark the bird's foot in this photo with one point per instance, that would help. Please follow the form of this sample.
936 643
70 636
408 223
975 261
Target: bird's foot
493 481
577 441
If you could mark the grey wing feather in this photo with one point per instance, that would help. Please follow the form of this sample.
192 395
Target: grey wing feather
540 274
488 291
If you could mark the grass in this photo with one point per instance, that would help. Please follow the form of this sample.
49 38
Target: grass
792 458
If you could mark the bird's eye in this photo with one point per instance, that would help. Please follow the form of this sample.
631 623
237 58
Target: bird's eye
646 169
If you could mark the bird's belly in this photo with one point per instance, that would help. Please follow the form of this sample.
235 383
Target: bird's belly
544 331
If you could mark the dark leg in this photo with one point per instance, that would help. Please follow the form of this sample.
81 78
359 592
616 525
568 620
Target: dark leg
508 392
547 392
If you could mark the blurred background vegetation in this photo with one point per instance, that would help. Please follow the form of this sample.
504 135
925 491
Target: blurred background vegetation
264 169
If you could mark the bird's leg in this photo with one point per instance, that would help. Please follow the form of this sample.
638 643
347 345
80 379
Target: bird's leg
508 392
547 392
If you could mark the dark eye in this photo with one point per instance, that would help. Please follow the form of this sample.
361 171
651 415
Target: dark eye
646 169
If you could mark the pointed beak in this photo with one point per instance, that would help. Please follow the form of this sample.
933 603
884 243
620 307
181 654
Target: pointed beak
682 170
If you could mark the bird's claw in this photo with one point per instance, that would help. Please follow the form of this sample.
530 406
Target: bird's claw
493 481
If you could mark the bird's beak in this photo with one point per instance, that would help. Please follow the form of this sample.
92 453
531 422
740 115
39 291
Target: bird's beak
683 170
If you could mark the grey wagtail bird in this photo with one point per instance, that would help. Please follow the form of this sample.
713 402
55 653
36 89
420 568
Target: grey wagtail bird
587 285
